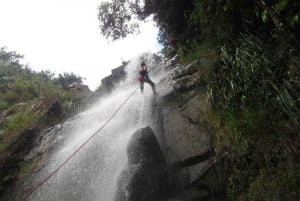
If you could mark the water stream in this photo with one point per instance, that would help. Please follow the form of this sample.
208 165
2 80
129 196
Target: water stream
92 173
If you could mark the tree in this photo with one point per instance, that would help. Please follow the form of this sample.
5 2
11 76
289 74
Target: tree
120 18
9 58
117 18
47 75
68 80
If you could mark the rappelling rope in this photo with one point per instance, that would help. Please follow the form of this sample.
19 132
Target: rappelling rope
35 188
142 111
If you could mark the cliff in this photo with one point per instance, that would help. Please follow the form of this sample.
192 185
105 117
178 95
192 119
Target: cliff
184 132
181 120
178 117
206 159
109 82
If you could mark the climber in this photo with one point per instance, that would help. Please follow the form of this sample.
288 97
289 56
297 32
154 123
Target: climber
143 77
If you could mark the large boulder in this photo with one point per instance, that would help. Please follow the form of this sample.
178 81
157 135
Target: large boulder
146 176
143 146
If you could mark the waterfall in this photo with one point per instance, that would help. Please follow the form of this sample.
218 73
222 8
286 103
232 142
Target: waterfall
92 173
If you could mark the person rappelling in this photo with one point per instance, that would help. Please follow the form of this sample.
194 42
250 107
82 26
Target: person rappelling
143 77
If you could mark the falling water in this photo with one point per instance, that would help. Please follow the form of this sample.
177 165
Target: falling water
92 173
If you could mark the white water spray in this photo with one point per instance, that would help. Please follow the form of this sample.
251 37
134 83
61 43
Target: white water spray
92 173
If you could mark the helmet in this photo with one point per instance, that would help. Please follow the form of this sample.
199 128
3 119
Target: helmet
143 63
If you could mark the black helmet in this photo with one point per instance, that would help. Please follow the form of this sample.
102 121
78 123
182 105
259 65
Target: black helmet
143 63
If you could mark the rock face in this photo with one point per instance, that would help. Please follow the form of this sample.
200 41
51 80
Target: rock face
118 74
48 111
184 128
146 176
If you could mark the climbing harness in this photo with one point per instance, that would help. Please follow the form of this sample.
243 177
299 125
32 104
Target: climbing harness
35 188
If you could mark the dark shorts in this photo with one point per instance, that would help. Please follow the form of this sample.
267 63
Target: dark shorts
145 79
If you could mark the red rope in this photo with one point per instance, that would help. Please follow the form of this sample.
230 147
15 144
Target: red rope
38 185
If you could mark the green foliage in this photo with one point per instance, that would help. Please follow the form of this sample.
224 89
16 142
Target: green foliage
116 18
251 51
19 84
253 83
27 167
252 94
9 58
252 91
22 90
22 119
280 6
274 186
120 18
68 80
252 75
70 101
29 101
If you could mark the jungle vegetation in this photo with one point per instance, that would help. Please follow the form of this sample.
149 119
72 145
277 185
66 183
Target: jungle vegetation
29 102
252 76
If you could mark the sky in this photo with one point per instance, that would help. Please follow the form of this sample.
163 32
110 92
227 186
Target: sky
64 36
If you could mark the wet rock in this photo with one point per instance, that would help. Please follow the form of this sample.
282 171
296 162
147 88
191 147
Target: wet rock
185 82
185 70
54 111
185 129
146 176
11 159
117 75
143 146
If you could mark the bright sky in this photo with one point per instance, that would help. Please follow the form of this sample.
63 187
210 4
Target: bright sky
64 36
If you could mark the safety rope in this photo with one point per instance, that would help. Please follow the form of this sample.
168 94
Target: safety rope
142 112
35 188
